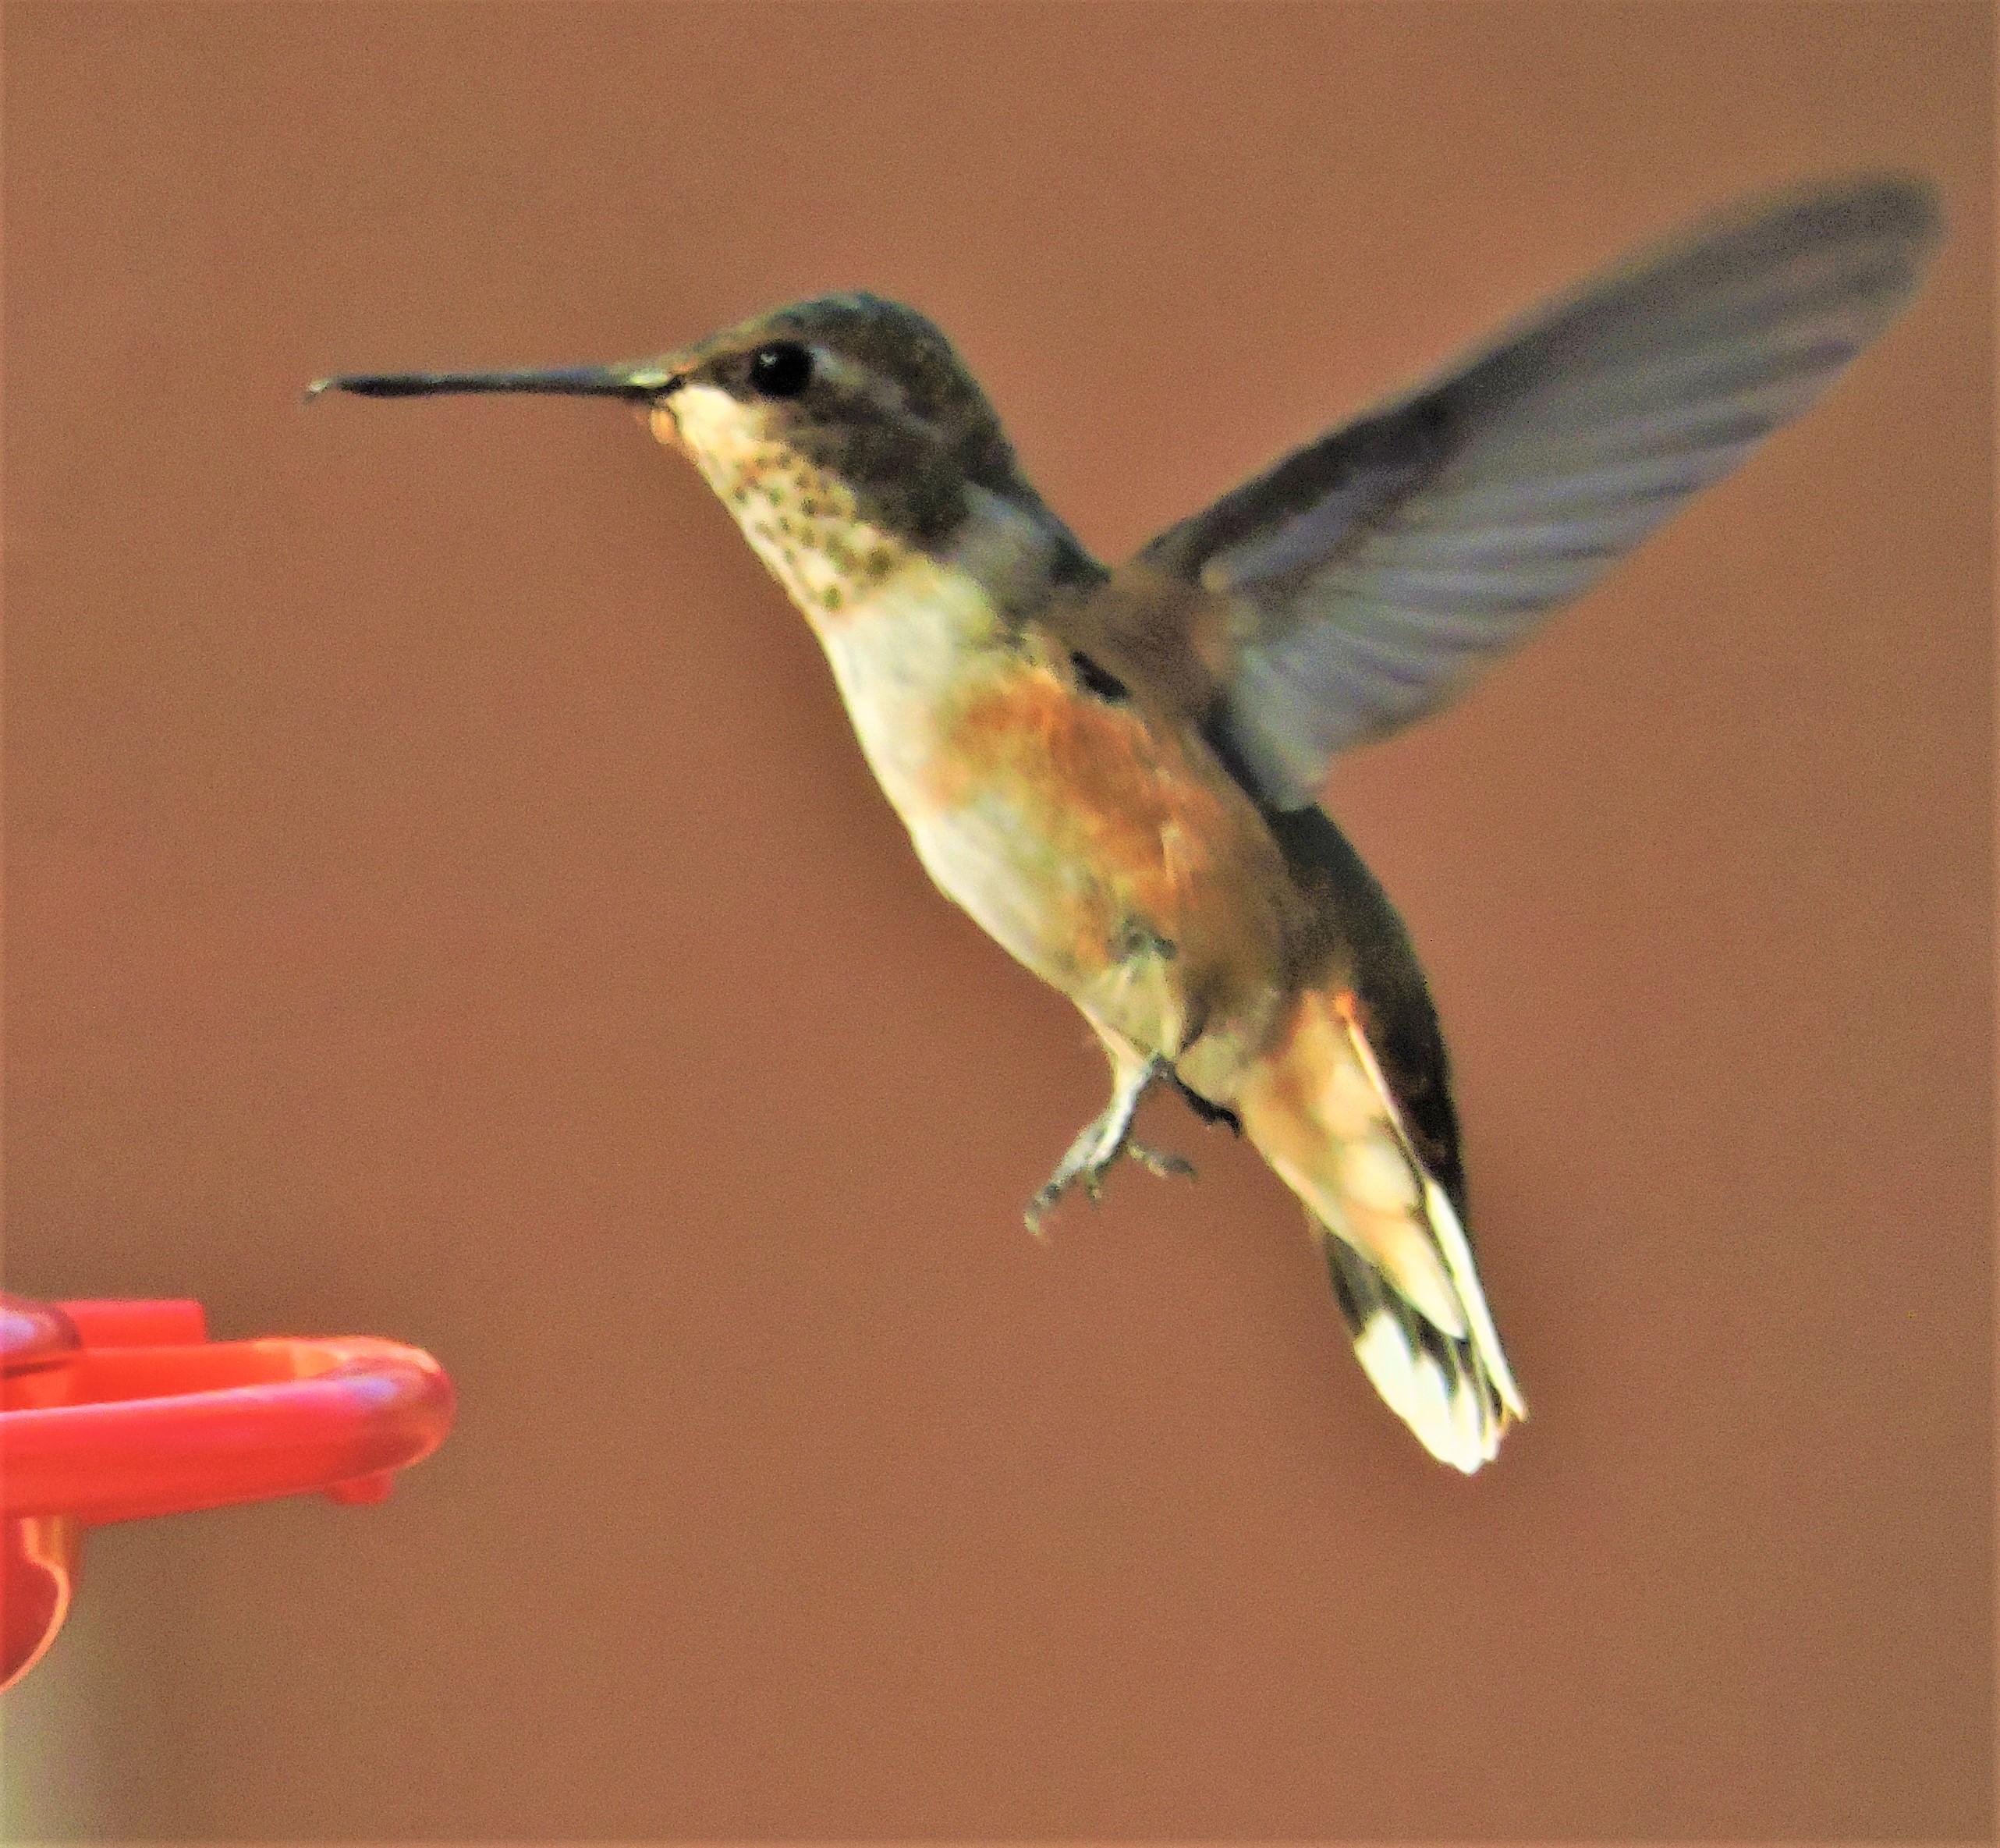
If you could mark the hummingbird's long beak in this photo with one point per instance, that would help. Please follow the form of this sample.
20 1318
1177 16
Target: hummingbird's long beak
637 381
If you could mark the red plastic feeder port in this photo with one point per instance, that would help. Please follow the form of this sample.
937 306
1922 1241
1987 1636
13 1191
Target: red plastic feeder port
113 1410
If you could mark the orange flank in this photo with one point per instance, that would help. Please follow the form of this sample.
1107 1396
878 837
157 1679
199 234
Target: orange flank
1168 843
1126 793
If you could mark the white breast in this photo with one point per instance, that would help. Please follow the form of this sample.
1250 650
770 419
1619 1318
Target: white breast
913 647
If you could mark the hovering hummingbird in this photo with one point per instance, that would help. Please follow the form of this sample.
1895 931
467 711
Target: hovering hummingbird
1118 771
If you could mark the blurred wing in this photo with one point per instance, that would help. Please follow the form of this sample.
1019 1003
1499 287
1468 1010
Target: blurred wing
1372 574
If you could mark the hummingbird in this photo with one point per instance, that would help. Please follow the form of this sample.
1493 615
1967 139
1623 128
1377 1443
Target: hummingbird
1118 772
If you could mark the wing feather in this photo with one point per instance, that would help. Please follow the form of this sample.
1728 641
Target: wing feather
1377 571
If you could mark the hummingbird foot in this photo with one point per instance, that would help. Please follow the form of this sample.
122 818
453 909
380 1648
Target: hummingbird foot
1091 1157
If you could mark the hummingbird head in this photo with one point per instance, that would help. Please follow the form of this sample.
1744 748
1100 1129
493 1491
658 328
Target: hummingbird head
844 434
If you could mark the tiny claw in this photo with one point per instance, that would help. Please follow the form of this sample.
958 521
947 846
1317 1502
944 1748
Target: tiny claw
1168 1167
1098 1148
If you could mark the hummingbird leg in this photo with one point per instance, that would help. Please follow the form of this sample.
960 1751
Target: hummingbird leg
1091 1156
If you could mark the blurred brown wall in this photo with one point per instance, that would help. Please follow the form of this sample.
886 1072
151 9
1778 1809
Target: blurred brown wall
445 903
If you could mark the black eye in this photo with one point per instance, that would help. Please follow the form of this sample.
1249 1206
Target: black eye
781 370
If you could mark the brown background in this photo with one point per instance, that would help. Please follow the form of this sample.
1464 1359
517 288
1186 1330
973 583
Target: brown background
446 903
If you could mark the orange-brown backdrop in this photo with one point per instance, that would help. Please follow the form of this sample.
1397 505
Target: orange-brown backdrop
445 903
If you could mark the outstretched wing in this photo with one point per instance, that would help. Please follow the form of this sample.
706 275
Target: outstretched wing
1370 575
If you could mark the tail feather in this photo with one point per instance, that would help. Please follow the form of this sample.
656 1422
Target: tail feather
1454 1391
1485 1338
1323 1112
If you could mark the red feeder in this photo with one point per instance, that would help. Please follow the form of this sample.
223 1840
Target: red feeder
112 1410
